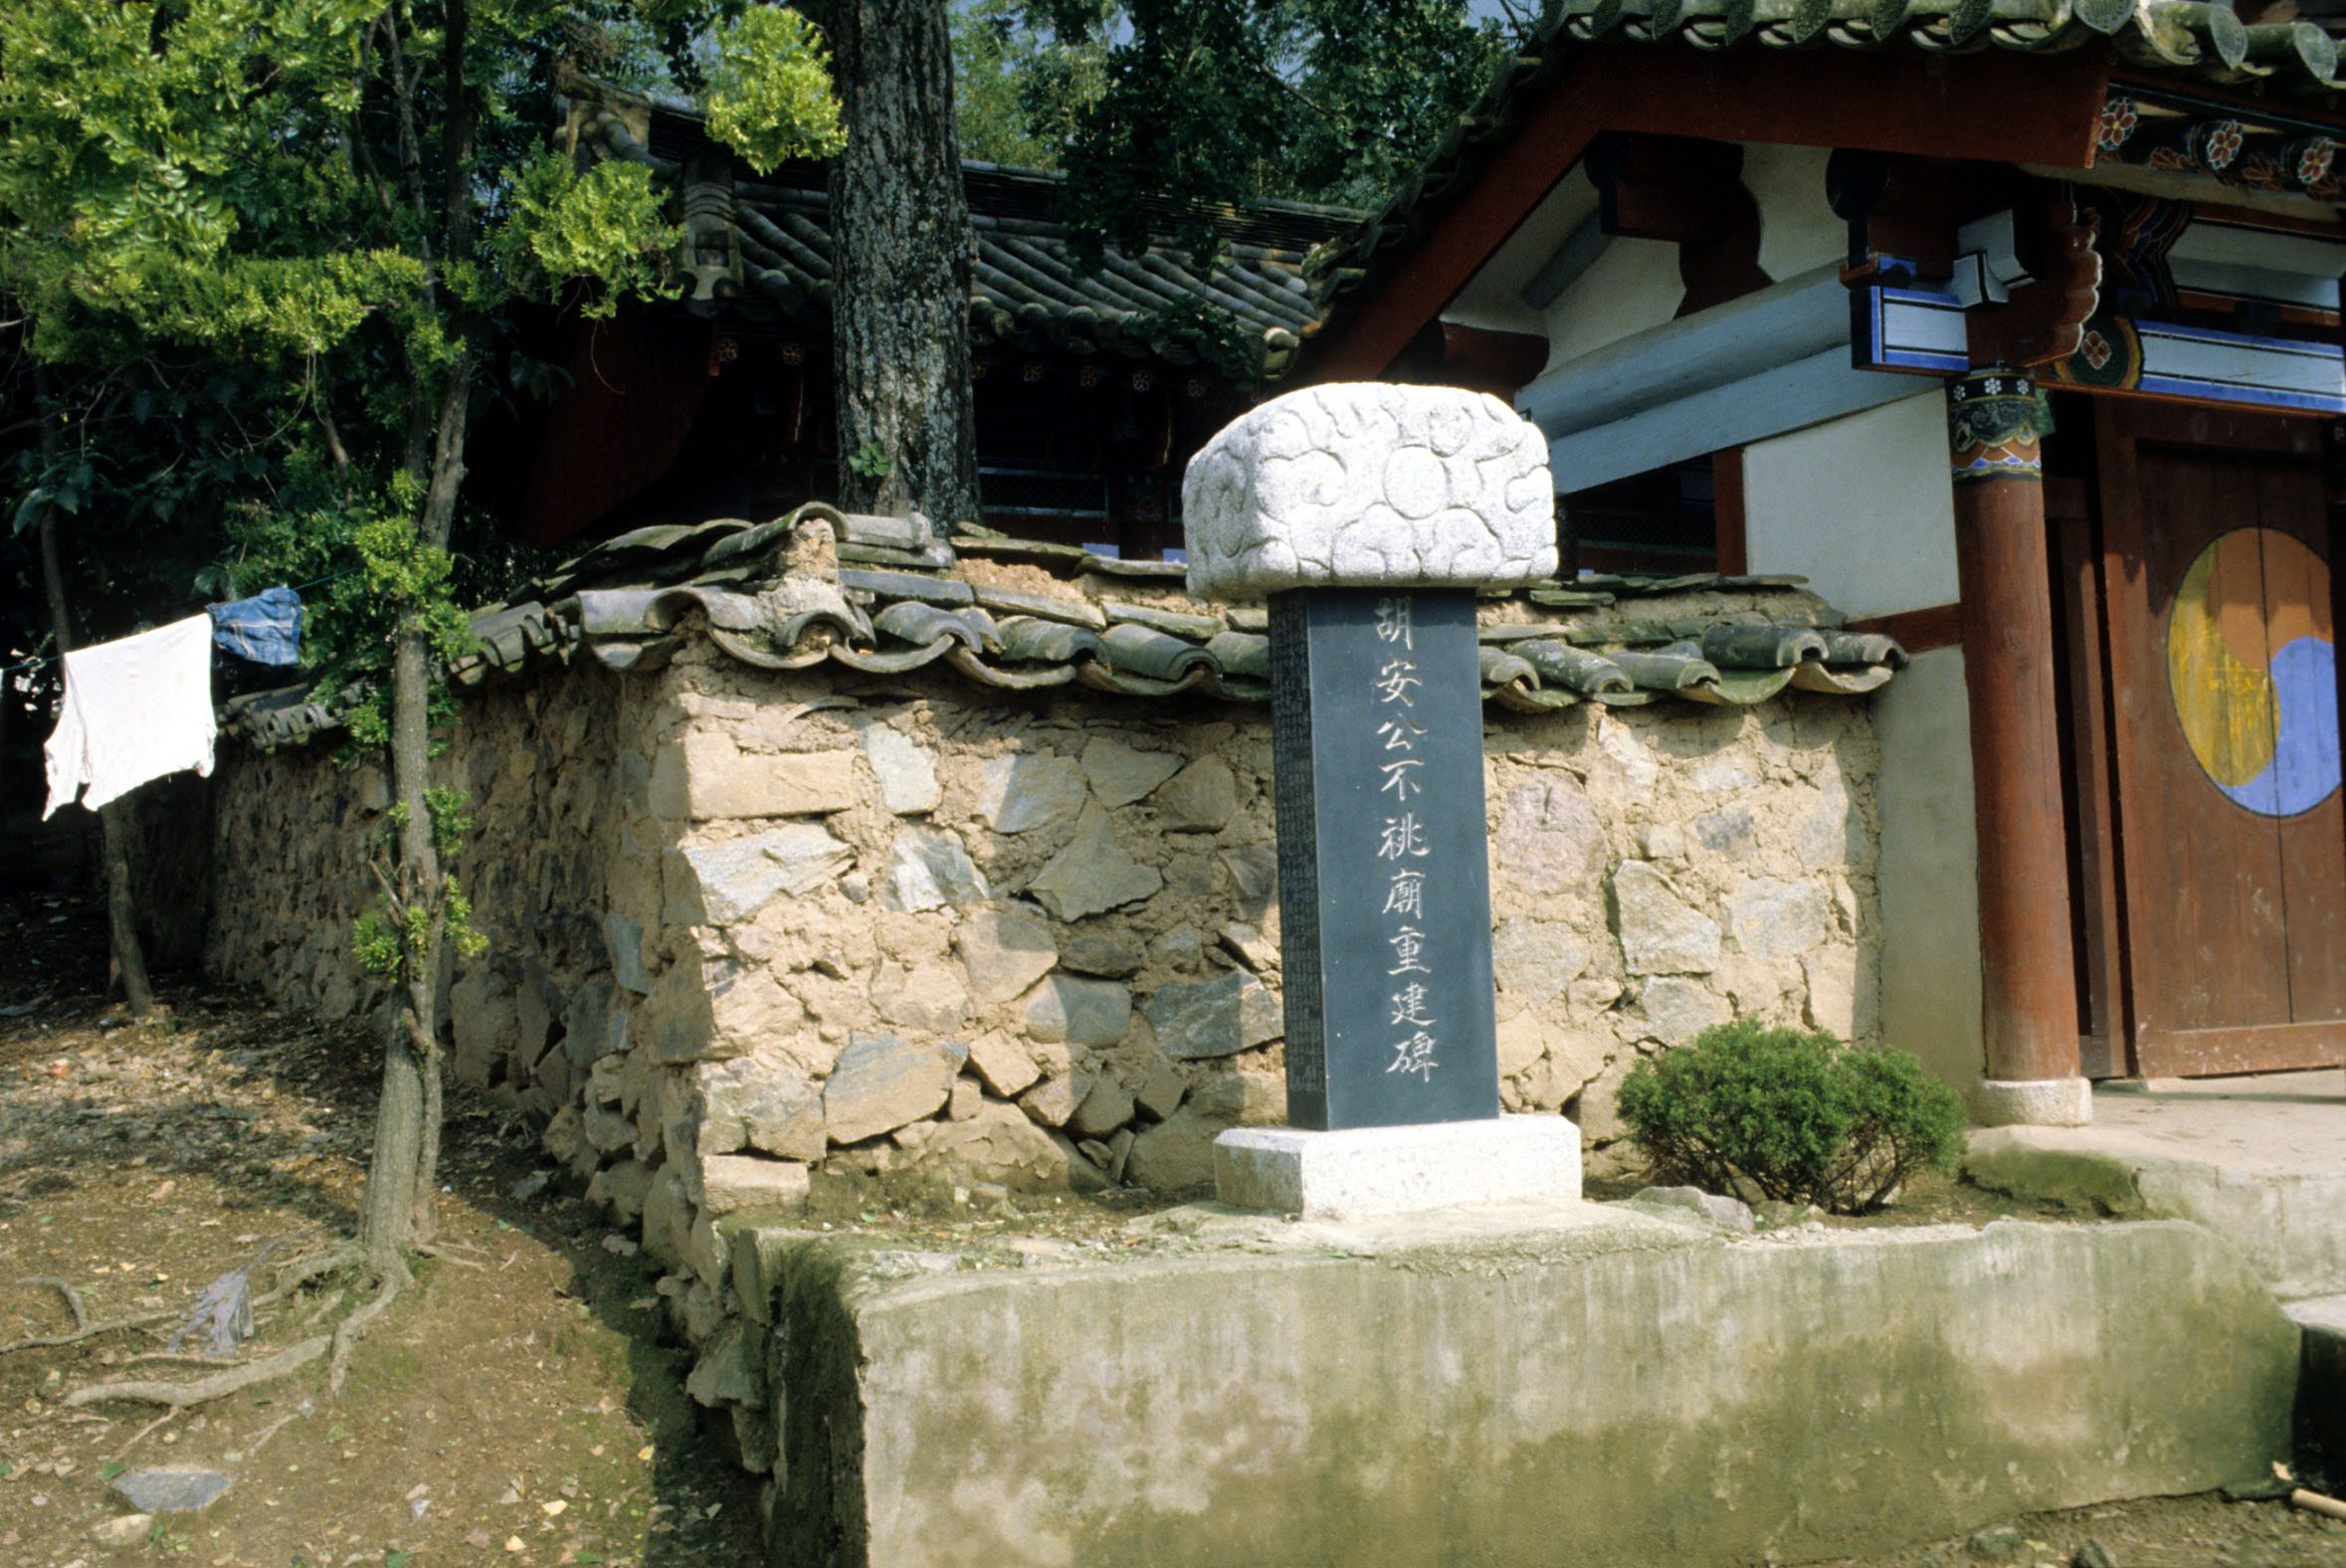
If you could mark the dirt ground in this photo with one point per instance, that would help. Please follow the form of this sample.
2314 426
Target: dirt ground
2156 1532
524 1402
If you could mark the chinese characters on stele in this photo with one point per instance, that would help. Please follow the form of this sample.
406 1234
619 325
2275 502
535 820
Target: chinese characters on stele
1403 842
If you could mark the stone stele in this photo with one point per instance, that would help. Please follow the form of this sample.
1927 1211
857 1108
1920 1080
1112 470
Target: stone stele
1370 485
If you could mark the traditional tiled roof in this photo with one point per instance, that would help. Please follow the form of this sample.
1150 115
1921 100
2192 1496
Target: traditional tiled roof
2209 42
2292 64
1014 615
758 248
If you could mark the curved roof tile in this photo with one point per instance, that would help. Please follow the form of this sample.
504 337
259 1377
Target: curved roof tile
1620 641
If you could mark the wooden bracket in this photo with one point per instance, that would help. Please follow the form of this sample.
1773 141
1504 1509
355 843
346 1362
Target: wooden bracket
2045 320
1480 359
1689 192
1903 211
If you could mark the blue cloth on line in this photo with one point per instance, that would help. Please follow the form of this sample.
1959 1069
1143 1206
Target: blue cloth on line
267 628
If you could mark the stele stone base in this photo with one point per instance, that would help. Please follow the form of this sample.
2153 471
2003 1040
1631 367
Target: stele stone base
1362 1171
2043 1102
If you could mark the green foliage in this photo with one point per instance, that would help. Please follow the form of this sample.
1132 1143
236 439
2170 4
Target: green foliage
388 937
245 279
1019 90
872 461
347 642
148 155
769 91
603 225
374 941
1791 1114
451 817
469 941
1198 104
1220 337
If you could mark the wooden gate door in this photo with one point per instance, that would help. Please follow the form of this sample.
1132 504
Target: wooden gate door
2225 727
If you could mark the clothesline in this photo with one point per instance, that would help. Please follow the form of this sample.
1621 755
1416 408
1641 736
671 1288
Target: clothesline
51 658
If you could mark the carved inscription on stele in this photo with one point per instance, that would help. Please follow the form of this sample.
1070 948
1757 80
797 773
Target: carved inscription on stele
1370 485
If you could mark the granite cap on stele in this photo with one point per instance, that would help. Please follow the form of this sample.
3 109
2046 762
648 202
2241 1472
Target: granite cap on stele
1370 485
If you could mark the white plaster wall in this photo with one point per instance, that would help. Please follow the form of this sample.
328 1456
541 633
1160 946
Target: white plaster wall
1928 869
1633 285
1860 506
1494 297
1798 228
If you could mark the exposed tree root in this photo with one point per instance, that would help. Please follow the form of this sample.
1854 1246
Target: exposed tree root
299 1272
181 1396
347 1335
83 1329
439 1250
132 1442
270 1431
323 1309
71 1295
292 1277
234 1377
185 1358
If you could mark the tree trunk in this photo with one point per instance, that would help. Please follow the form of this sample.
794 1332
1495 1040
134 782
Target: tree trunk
397 1210
122 913
900 259
439 519
395 1200
113 817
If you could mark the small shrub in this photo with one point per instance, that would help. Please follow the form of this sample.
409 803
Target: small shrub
1791 1114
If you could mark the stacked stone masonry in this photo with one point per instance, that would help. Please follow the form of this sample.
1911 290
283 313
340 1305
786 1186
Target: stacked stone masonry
744 923
754 927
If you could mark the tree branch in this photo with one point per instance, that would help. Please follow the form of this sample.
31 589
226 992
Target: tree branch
456 132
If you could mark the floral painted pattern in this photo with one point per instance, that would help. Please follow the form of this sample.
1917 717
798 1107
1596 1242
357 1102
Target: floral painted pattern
2219 144
2119 120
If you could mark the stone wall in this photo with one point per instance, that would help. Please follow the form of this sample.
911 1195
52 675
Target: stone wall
747 925
543 763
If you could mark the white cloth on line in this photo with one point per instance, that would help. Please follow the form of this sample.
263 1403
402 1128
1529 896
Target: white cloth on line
135 709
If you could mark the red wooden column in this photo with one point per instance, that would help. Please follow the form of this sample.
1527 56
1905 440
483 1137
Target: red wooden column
2029 998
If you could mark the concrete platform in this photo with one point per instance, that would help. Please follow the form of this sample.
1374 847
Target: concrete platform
2260 1160
1542 1384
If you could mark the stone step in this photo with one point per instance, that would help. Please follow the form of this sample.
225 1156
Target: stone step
2261 1162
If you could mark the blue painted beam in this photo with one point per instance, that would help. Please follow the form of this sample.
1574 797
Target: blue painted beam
1778 399
1668 364
1575 256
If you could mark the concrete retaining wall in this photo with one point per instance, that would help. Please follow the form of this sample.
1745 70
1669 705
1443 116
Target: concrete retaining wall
1582 1387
